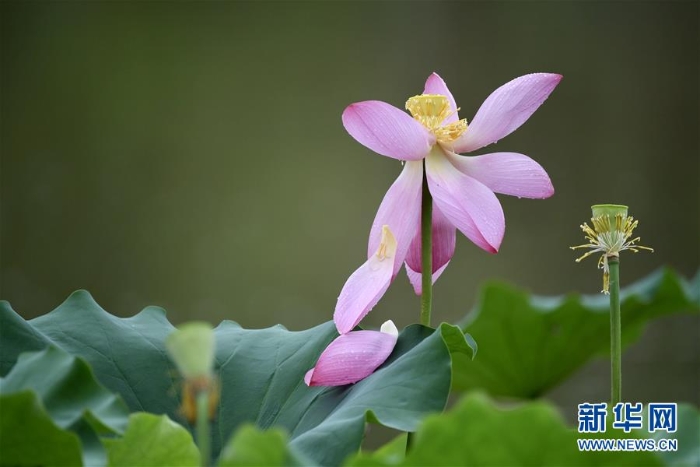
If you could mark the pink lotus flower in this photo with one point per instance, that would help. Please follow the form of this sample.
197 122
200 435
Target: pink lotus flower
353 356
462 188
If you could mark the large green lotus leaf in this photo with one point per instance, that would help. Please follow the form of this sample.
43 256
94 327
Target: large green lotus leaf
30 437
327 424
529 344
251 447
260 373
477 432
126 355
152 440
71 396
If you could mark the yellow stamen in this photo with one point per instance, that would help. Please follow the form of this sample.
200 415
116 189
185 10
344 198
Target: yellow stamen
431 110
381 251
387 244
610 240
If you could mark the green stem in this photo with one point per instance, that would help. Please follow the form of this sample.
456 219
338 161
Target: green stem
426 222
615 331
426 236
202 429
409 441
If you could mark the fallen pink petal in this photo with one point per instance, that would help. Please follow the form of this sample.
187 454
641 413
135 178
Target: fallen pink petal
352 357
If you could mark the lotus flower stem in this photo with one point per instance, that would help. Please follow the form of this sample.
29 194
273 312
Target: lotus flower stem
426 299
615 332
202 428
426 238
610 235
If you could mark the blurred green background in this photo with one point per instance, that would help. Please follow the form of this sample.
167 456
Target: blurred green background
191 155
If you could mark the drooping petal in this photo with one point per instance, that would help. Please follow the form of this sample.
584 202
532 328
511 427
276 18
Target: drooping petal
416 278
400 210
436 85
443 239
509 173
467 203
506 109
352 357
387 130
366 285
